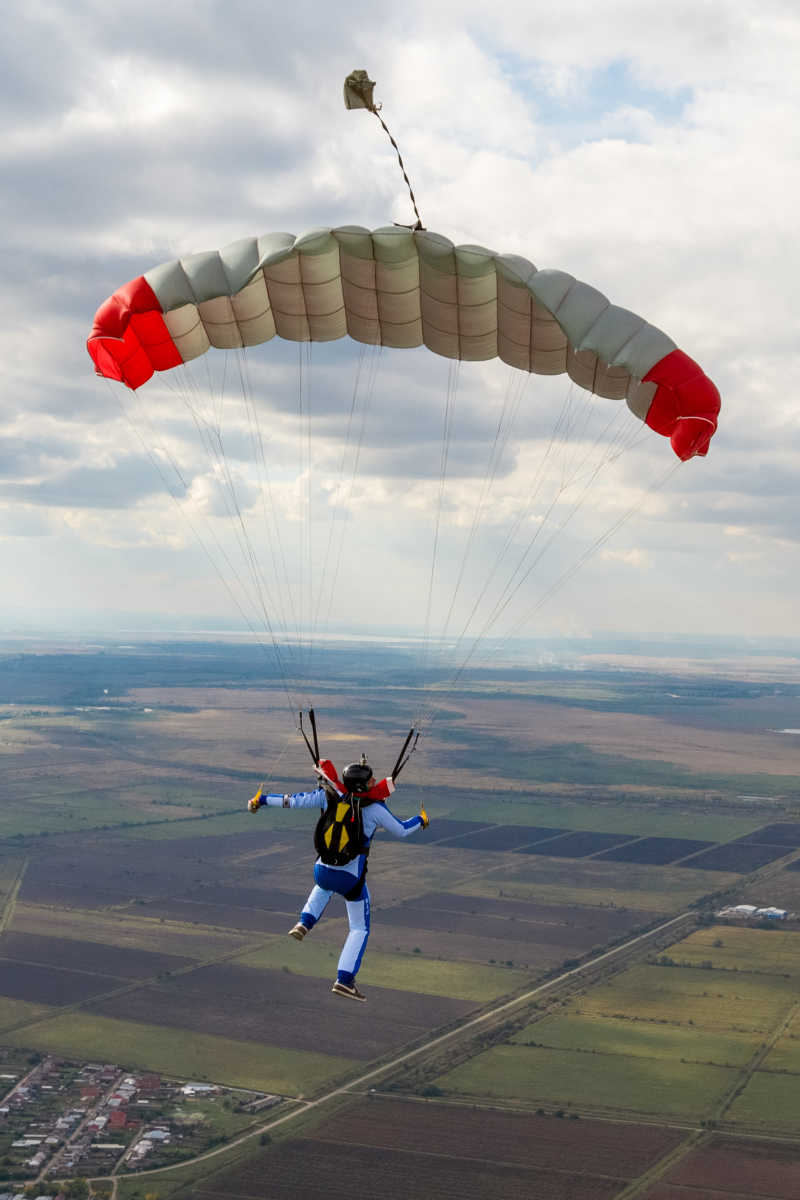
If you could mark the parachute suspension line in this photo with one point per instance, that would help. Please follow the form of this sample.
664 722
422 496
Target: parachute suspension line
374 361
514 392
566 575
271 526
210 434
570 571
447 430
369 356
272 529
304 602
569 476
582 472
590 551
178 502
522 572
212 440
559 431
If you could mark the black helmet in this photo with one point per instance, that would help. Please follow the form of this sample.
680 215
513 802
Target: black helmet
356 777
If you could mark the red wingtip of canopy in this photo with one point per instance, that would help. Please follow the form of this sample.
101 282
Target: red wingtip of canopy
686 405
129 339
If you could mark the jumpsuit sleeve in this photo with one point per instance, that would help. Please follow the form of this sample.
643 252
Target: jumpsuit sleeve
315 799
388 821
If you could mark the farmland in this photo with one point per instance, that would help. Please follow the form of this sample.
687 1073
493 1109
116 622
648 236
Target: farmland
738 1166
563 1078
404 972
407 1148
186 1055
642 1039
568 816
714 1000
732 948
770 1102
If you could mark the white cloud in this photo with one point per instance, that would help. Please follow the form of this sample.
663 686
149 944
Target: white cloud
649 149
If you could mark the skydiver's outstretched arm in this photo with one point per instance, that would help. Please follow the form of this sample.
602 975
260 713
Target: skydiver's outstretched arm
315 799
379 814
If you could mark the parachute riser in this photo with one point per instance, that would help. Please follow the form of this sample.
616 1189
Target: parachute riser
312 750
402 757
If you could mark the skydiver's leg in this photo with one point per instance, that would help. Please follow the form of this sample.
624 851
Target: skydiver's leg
314 906
356 941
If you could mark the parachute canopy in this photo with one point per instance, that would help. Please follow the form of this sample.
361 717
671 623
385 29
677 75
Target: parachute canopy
404 288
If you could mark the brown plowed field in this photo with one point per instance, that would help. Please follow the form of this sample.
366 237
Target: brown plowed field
505 837
263 899
443 828
259 920
106 872
669 1191
88 956
655 851
463 947
599 921
526 1140
784 833
510 929
577 845
741 857
742 1166
42 985
397 1149
285 1010
301 1169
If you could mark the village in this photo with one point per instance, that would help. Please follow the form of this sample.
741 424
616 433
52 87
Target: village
61 1119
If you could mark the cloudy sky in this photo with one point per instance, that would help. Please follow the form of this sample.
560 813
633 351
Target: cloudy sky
648 148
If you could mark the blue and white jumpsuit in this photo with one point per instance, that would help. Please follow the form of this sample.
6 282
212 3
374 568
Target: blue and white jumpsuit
344 880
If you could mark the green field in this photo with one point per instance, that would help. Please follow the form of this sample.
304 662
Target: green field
116 928
763 951
629 815
14 1011
594 882
238 821
405 972
68 811
707 999
771 1102
182 1054
564 1077
9 871
785 1054
642 1039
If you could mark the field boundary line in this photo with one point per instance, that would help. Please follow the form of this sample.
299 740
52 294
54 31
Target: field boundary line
749 1069
464 1027
472 1158
11 902
657 1172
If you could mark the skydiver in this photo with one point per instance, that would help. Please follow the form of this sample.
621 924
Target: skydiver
359 803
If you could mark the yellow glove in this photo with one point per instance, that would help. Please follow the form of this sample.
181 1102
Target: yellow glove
257 802
423 816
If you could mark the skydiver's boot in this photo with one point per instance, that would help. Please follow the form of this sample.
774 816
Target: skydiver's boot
343 989
298 931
